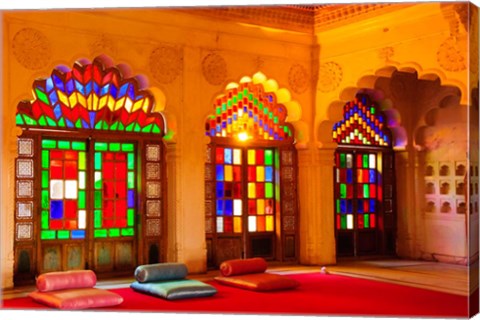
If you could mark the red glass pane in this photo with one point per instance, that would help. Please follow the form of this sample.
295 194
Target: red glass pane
269 206
260 192
107 223
121 223
71 170
360 221
237 173
71 155
338 222
108 170
366 175
71 225
237 190
359 161
121 170
56 169
260 155
379 193
121 190
366 206
228 224
70 209
261 223
360 190
252 207
343 175
373 189
55 154
108 208
350 191
121 207
120 156
108 156
56 224
219 155
372 221
252 173
108 189
337 160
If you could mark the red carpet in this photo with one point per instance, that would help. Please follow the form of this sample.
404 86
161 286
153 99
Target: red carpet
318 294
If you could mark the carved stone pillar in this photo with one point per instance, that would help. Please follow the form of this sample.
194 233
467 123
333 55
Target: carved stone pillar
172 207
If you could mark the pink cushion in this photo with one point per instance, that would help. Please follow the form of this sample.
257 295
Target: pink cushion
243 266
66 280
259 282
77 299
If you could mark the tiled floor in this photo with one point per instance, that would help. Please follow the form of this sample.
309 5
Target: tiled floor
430 275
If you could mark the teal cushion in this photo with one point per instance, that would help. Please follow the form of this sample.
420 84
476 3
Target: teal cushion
161 272
177 289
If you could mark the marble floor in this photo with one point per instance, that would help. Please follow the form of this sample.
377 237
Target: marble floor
436 276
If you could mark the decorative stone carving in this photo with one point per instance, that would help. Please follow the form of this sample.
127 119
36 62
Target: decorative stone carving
214 68
103 44
330 76
166 63
386 53
259 63
450 56
298 78
31 48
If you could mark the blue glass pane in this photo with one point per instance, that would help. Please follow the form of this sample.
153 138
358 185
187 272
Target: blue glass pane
104 90
372 205
49 84
228 207
219 189
56 209
228 156
343 206
349 206
219 207
349 176
70 87
131 198
78 234
269 174
372 175
219 170
360 206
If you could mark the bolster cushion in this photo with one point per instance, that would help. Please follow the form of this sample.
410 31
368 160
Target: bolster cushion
59 280
176 289
160 272
243 266
260 282
77 299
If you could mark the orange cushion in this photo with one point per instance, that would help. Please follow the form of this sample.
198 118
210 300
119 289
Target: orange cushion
243 266
59 280
259 282
77 299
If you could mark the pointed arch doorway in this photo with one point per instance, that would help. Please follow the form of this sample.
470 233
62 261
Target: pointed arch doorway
364 182
251 176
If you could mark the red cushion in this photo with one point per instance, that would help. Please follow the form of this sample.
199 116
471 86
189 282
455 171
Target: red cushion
260 282
77 299
59 280
243 266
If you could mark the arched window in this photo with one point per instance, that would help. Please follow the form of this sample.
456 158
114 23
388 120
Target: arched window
364 181
251 201
89 174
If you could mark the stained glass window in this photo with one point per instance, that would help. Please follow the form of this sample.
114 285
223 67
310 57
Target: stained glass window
93 97
114 195
362 124
250 111
63 195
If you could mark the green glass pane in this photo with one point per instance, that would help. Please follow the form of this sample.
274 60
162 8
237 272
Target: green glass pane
121 127
130 217
101 146
366 221
51 122
372 110
275 120
82 161
115 232
64 145
365 161
97 218
61 122
130 161
130 127
156 129
77 145
268 190
148 128
218 110
99 125
343 221
41 96
229 103
81 200
126 232
255 102
98 200
102 233
45 159
29 121
19 119
49 144
343 190
366 191
137 128
127 147
47 235
277 160
45 217
97 162
98 180
105 125
114 127
131 180
224 107
63 234
114 146
338 206
343 162
78 124
45 199
235 99
268 157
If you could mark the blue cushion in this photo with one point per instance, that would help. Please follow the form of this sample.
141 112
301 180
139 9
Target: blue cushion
160 272
174 290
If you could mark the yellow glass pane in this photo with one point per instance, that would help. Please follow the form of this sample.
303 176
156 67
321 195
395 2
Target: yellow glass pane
260 206
95 105
237 224
237 156
251 157
228 173
82 100
63 98
102 102
251 190
137 105
119 104
260 174
269 223
111 103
